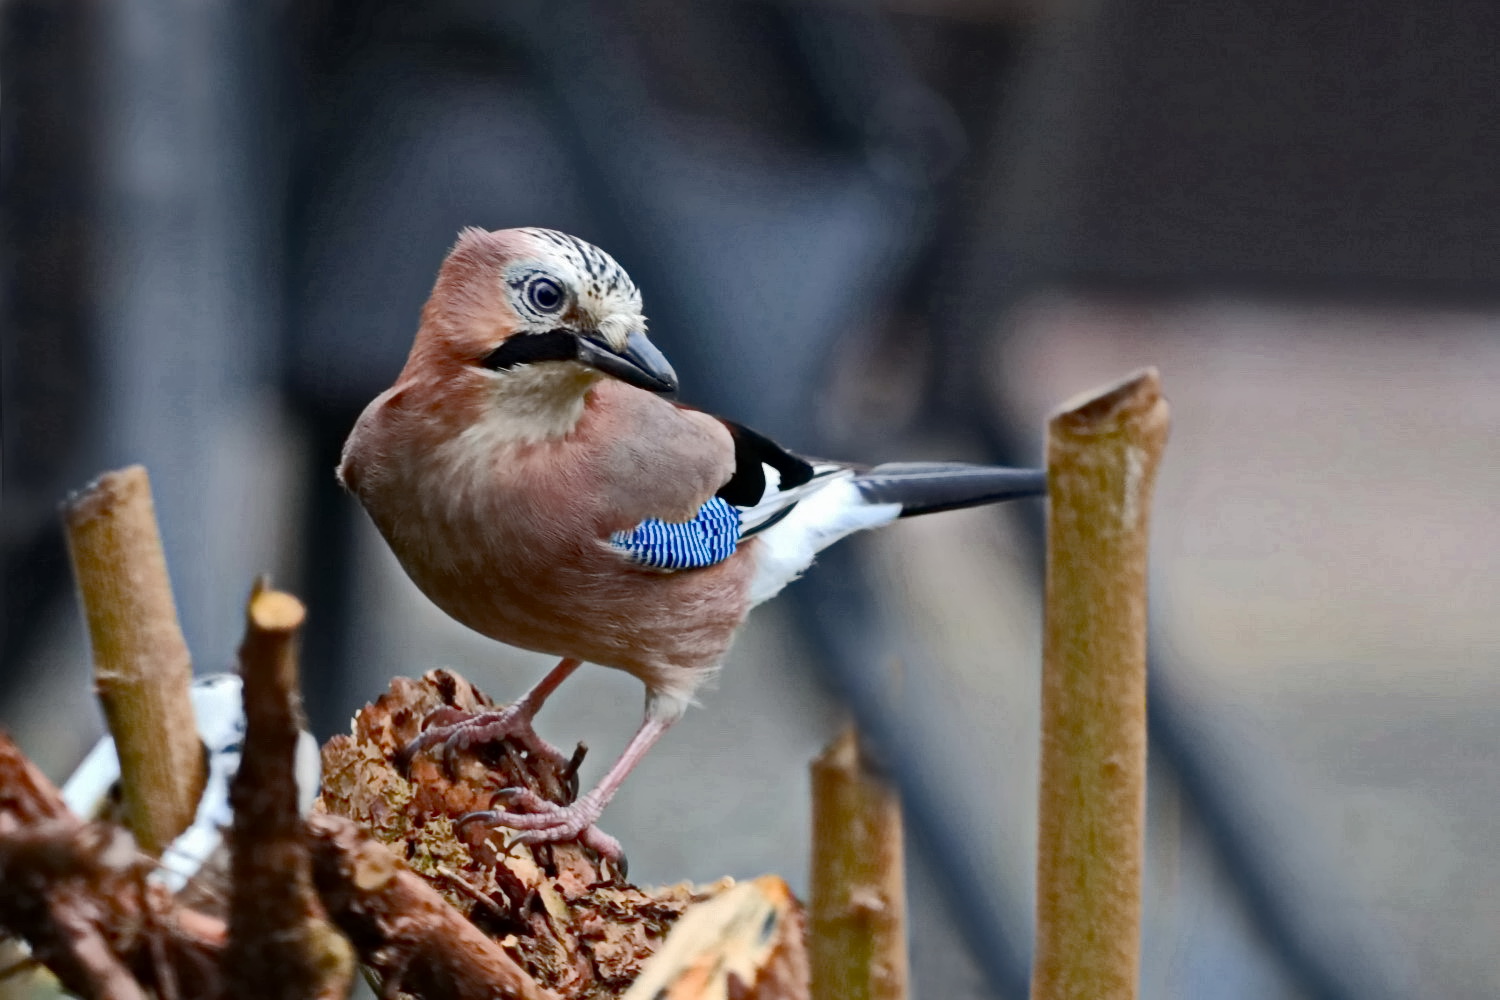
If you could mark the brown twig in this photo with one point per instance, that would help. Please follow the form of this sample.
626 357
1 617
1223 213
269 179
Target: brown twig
857 946
141 664
26 796
86 964
76 893
1102 454
403 929
276 920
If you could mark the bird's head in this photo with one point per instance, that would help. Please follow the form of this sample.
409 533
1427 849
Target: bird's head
531 308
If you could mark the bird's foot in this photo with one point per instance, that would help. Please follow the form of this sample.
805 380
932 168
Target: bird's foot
543 822
456 730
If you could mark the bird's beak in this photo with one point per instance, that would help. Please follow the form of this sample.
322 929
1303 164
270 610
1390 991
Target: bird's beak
639 364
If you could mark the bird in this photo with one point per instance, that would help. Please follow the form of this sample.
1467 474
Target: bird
535 480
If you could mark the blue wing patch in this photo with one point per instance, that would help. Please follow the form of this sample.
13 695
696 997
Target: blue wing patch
710 537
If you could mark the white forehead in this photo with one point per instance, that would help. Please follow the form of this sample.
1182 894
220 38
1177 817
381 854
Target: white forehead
592 273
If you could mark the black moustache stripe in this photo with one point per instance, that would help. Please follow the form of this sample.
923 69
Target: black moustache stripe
554 345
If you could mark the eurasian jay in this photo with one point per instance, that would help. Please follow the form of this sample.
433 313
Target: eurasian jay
534 482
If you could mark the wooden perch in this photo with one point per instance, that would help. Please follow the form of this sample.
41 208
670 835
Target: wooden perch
858 941
561 913
439 917
409 935
1102 454
141 663
275 919
27 798
569 922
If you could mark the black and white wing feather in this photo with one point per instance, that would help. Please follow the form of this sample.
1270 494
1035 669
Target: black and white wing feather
930 487
769 481
799 506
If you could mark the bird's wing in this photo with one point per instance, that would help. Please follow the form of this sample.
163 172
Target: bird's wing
772 488
767 482
799 506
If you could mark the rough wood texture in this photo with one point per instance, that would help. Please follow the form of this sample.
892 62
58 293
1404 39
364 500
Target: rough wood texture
572 923
76 893
141 663
433 906
411 937
858 913
432 915
746 943
1102 454
275 918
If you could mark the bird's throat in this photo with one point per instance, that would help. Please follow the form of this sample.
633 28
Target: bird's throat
540 402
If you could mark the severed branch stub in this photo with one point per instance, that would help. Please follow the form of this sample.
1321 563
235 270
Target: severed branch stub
275 919
857 947
1102 455
141 665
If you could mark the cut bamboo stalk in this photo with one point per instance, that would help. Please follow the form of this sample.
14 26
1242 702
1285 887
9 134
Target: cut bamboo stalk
857 945
142 670
1102 454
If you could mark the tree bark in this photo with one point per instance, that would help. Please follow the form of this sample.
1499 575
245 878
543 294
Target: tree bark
76 893
857 947
275 918
412 938
141 665
1102 454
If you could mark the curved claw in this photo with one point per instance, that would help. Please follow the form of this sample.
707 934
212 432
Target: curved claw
546 823
481 727
606 846
560 820
590 836
521 800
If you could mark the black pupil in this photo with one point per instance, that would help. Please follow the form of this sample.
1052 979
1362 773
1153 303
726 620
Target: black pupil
545 295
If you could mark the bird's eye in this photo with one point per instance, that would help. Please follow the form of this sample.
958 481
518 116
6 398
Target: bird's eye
545 295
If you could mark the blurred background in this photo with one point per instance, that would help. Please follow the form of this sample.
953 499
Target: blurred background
899 229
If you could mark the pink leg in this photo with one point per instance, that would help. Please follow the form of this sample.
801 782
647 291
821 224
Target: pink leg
544 822
513 720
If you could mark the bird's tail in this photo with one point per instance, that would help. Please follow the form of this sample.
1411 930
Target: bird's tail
929 487
848 501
